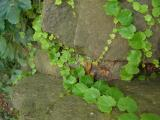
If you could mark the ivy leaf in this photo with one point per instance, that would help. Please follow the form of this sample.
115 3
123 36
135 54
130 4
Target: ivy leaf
155 3
87 80
137 42
136 6
112 8
127 104
105 103
143 9
79 89
79 71
125 17
102 86
131 68
13 14
128 116
91 95
124 75
115 93
148 33
25 4
134 57
149 116
69 82
156 12
127 32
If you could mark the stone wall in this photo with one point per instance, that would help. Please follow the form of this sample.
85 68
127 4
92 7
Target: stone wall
86 28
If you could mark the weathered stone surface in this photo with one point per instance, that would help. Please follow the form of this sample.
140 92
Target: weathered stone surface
43 64
88 29
38 98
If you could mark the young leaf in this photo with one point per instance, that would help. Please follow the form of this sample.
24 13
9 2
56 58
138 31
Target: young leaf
105 103
79 71
127 32
127 104
124 75
91 95
79 89
155 3
125 17
114 92
134 57
112 8
102 86
87 80
137 42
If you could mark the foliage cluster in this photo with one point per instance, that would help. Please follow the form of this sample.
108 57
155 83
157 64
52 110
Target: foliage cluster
77 82
137 40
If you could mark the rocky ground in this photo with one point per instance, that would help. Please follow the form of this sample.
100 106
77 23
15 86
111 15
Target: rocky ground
41 97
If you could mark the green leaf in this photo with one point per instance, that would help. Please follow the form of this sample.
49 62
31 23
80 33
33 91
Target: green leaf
25 4
102 86
79 71
148 33
87 80
134 57
127 32
137 42
155 3
115 93
79 89
91 95
128 116
125 17
127 104
143 9
112 8
136 6
131 68
148 18
69 82
65 71
149 116
124 75
105 103
156 12
13 14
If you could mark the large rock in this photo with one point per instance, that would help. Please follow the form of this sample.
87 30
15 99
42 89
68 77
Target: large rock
41 97
87 28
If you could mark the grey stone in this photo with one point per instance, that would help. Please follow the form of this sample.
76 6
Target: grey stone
43 64
41 97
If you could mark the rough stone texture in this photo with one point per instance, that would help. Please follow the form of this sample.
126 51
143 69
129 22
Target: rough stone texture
42 63
38 98
88 29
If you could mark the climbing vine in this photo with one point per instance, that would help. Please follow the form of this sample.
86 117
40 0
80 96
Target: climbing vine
137 40
77 82
16 34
